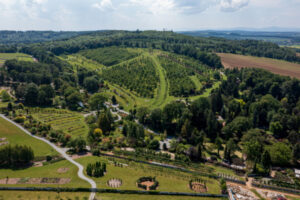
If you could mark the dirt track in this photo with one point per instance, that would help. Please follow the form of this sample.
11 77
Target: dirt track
276 66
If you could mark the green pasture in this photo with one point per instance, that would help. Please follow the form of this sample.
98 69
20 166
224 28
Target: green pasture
16 136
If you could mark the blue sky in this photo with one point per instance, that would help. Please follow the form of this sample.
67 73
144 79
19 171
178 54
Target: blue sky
147 14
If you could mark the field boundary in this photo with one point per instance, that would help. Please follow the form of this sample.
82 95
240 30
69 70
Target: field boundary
50 189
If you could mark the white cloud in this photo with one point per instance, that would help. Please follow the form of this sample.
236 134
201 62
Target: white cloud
233 5
104 5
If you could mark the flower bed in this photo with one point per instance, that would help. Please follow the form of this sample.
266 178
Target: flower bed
147 183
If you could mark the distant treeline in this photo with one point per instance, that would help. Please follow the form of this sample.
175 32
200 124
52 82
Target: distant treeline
202 49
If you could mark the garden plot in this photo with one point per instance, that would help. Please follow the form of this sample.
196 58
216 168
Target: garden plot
64 120
35 181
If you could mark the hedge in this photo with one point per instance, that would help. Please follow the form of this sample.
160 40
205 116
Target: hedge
113 191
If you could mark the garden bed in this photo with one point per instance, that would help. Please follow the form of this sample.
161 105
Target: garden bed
34 181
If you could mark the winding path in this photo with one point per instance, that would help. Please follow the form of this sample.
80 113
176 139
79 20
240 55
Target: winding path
63 153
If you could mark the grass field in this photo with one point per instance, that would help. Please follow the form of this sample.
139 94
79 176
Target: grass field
18 56
276 66
47 171
67 121
106 196
16 136
169 180
20 195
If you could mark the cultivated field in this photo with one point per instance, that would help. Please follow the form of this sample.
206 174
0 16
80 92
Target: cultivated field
15 136
276 66
18 56
67 121
129 172
128 96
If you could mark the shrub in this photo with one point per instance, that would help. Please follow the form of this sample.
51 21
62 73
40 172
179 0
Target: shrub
20 119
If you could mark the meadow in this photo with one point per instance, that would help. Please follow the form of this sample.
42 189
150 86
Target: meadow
16 136
70 122
273 65
46 171
169 180
18 56
21 195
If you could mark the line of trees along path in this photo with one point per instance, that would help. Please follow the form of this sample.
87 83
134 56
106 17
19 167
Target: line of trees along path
63 153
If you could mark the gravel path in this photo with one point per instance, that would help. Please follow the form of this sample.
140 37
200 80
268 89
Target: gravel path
63 153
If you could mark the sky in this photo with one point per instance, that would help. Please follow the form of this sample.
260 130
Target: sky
177 15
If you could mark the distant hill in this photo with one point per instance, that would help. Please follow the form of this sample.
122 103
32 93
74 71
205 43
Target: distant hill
278 37
14 37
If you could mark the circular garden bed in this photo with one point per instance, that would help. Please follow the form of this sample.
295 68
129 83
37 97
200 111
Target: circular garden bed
114 182
147 183
198 185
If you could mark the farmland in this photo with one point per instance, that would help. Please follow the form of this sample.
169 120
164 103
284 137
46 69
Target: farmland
67 121
141 77
272 65
18 56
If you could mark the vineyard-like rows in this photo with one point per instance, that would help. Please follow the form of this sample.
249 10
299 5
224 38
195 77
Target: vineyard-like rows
68 122
109 56
138 75
180 82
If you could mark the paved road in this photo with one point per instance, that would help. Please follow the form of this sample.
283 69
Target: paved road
63 153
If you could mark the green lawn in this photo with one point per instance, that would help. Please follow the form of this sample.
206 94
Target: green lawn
107 196
20 195
70 122
169 180
15 136
47 171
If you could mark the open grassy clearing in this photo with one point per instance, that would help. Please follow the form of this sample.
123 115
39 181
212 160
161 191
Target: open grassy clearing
276 66
16 136
18 56
169 180
196 82
65 120
47 171
106 196
79 61
20 195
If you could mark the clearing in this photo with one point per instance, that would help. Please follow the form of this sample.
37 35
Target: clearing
19 56
276 66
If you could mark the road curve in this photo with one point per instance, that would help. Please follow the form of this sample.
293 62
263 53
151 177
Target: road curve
66 156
